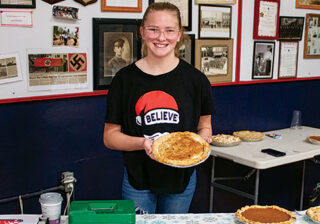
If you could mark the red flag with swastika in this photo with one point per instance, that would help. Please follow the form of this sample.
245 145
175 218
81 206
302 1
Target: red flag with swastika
48 62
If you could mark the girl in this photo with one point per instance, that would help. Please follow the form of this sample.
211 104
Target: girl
157 94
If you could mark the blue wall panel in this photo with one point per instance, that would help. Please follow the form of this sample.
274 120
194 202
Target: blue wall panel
39 140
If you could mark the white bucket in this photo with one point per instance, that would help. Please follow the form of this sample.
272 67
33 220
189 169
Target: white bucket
51 206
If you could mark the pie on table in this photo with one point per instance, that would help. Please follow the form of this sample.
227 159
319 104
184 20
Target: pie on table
314 213
257 214
314 139
249 135
180 149
222 139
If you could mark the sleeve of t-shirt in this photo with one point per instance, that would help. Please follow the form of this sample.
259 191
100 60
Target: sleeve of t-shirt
114 102
206 98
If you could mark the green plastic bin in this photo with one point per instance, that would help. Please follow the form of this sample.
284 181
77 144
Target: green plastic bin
102 211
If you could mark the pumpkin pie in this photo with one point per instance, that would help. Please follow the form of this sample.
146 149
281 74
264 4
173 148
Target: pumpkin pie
257 214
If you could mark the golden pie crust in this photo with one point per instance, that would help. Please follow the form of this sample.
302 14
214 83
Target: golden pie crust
180 149
315 139
225 139
249 135
257 214
314 213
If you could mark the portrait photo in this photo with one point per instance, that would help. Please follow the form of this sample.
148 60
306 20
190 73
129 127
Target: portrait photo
263 59
117 51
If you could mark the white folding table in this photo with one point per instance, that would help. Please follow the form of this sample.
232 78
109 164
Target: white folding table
293 142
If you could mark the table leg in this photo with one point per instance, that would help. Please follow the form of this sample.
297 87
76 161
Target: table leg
302 184
211 185
256 188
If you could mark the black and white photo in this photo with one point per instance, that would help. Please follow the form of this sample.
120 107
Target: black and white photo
214 59
263 60
115 45
186 50
290 28
312 36
214 21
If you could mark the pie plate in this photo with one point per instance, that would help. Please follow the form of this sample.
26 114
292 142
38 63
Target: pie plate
251 139
225 144
313 141
176 166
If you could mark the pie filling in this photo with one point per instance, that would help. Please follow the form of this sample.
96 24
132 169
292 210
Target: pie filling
265 215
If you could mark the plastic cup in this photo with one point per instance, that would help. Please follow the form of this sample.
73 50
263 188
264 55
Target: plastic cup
296 120
51 206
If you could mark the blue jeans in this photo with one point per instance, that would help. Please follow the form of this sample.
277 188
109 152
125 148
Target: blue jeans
151 203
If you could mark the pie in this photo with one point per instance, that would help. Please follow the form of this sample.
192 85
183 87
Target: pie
257 214
314 213
180 149
249 135
225 140
314 139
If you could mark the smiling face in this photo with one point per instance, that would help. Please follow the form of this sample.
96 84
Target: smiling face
161 32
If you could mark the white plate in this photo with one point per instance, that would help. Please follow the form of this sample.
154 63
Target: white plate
251 139
225 144
313 141
176 166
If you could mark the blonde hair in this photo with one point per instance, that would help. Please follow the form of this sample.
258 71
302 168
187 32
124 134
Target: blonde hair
163 6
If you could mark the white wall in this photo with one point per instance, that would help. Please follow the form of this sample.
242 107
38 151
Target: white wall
20 40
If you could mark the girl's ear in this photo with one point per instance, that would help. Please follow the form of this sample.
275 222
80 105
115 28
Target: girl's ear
141 32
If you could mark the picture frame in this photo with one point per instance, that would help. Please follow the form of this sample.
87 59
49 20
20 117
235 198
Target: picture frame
214 21
263 59
312 36
266 19
110 36
214 57
185 7
217 2
288 59
27 4
121 6
306 4
290 27
186 50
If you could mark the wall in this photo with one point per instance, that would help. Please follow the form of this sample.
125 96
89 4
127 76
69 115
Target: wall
40 140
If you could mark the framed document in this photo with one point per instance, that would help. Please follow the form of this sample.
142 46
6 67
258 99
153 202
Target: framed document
214 58
28 4
266 19
121 6
186 50
288 59
214 21
115 45
263 60
312 36
223 2
185 8
308 4
290 28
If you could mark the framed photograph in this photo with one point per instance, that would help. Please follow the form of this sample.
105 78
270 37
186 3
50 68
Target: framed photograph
121 6
214 21
263 60
214 58
115 45
290 28
223 2
288 59
28 4
186 50
307 4
266 19
185 8
312 36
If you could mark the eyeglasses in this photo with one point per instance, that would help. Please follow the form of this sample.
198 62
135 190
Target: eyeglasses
154 32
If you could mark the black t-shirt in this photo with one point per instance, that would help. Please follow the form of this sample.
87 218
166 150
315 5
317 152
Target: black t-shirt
150 106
